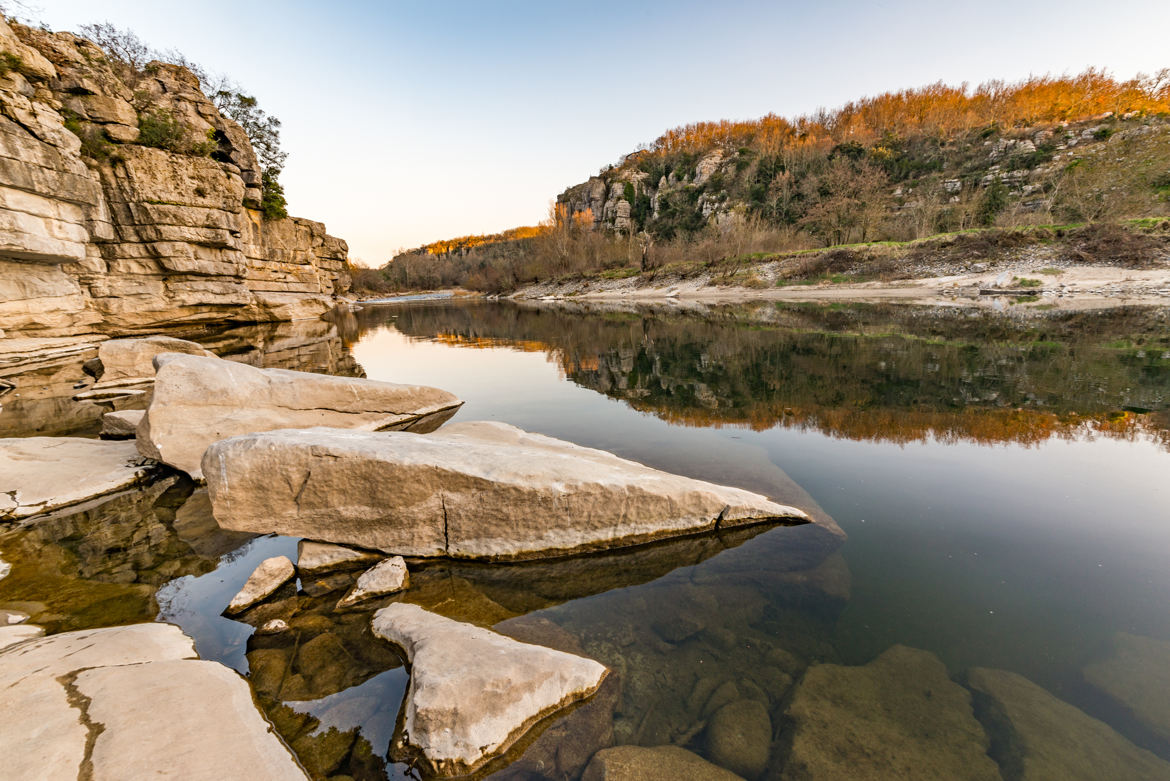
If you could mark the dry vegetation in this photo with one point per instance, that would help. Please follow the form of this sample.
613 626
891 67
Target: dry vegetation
898 167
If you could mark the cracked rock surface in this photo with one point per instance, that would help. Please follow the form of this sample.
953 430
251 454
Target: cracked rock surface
199 400
73 707
473 692
38 474
471 490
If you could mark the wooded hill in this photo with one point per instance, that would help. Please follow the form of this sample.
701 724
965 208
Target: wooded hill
896 167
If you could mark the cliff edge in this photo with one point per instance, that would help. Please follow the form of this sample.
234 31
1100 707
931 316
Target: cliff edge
104 229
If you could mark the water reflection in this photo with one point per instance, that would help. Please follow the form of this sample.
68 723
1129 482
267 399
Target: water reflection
40 401
1034 556
873 372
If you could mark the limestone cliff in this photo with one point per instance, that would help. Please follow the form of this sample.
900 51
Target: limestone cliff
100 233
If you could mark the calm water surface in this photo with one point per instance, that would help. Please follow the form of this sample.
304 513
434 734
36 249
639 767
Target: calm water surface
1001 478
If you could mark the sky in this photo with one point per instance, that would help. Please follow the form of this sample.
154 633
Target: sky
407 123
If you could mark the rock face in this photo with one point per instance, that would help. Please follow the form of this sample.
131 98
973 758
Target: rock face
898 717
473 692
203 724
384 578
1137 675
122 424
198 401
133 359
471 490
661 763
319 558
1043 737
268 576
38 474
101 233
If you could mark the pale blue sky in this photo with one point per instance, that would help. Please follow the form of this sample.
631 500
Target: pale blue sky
411 122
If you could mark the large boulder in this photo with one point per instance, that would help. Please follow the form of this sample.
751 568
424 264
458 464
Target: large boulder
473 693
898 717
38 474
472 490
1042 737
74 706
199 400
133 359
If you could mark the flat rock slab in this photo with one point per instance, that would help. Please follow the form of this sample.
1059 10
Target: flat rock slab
268 576
121 424
473 692
319 558
38 474
660 763
898 717
471 490
203 724
44 735
385 577
1136 674
199 400
133 359
155 710
1043 737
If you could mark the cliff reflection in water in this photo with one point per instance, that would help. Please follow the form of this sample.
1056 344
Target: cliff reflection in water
41 402
892 373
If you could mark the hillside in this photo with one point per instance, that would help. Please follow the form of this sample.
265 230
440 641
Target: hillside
899 167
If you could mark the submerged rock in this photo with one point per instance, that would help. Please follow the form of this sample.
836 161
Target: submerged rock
1136 674
200 400
202 722
270 575
121 424
133 359
319 558
473 692
661 763
898 717
386 577
472 490
38 474
739 737
1037 736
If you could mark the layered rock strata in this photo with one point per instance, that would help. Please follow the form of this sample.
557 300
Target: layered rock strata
200 400
471 490
101 233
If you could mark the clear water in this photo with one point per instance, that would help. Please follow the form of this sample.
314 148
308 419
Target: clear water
1002 478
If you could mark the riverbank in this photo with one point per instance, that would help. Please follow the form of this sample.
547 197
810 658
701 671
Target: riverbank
1026 284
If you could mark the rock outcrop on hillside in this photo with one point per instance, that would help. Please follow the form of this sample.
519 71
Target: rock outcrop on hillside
100 233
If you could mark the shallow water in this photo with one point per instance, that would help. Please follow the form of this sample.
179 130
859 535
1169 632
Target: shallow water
1001 477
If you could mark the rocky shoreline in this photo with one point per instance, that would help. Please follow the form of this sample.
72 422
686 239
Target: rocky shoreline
262 432
1053 287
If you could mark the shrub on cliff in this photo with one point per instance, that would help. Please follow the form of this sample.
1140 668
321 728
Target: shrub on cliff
160 128
264 132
